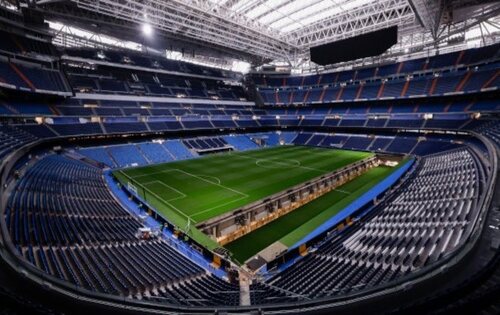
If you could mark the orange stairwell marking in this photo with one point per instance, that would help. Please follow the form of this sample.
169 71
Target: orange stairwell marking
493 78
22 76
322 96
339 94
400 67
360 90
467 108
447 107
54 110
463 81
426 64
336 77
381 90
459 58
12 109
306 96
405 88
433 86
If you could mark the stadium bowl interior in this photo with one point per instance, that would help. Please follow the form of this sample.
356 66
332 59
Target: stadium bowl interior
249 157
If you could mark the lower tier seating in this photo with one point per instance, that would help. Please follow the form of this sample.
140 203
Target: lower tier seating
63 220
427 220
12 138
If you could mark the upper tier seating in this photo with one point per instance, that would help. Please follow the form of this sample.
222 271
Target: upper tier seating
31 78
469 71
9 76
17 44
429 85
33 68
73 127
221 114
468 57
117 80
131 58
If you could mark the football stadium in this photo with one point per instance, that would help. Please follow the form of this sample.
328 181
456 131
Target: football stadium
249 157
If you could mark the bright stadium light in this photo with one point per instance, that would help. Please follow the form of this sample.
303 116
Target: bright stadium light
147 29
241 66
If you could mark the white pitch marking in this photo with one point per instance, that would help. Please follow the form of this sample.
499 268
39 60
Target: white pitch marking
243 195
218 206
195 176
170 205
149 174
214 177
343 191
183 195
282 162
205 180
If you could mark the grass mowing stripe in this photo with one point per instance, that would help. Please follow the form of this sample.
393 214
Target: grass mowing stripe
241 177
356 189
292 227
239 181
180 195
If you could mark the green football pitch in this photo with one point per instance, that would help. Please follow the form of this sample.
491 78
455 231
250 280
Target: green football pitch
199 189
291 228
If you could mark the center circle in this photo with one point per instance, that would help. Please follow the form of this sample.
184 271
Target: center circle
269 163
209 178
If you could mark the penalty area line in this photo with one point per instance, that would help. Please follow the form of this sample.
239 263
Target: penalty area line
182 195
343 191
218 206
169 205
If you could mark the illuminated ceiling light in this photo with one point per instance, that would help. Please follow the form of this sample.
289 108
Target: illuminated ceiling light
147 29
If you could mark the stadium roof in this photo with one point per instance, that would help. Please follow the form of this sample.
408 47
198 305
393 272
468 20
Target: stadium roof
264 30
285 16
